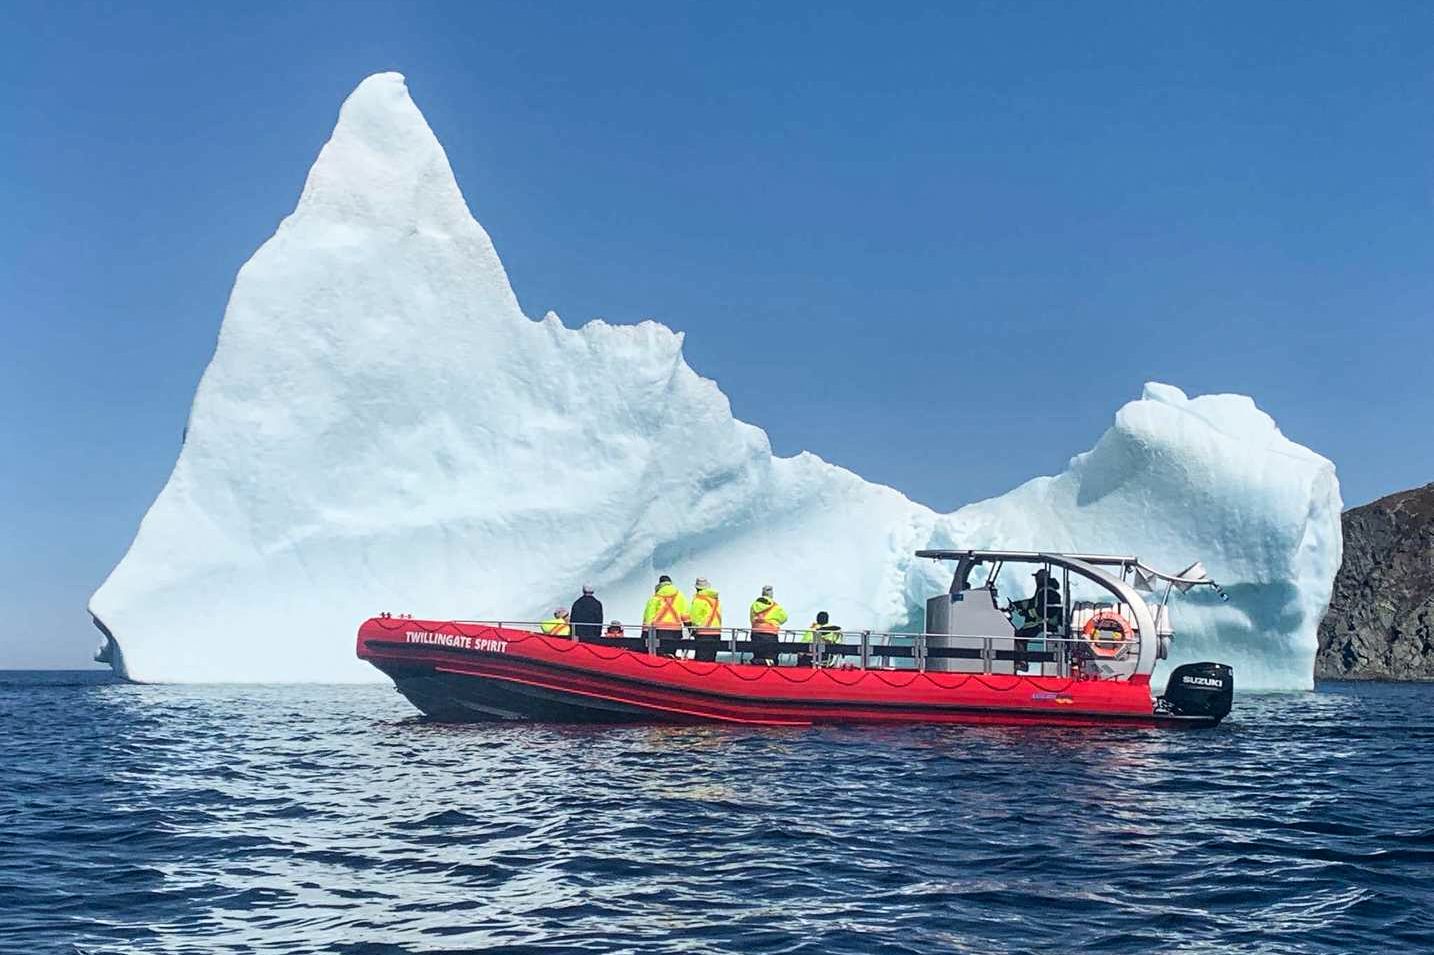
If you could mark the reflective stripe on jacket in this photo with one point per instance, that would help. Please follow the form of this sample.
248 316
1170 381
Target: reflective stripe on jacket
830 632
557 627
1044 603
666 609
767 615
706 611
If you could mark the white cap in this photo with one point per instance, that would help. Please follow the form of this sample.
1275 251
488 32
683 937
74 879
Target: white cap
703 583
587 588
766 590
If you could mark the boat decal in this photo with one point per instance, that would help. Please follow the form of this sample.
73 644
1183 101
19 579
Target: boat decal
457 641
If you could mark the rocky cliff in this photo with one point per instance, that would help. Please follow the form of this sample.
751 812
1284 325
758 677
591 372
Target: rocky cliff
1380 624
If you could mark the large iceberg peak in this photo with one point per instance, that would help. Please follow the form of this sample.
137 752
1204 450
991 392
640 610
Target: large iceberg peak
383 166
381 200
382 428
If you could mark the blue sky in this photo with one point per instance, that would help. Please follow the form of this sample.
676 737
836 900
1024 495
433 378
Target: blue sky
995 220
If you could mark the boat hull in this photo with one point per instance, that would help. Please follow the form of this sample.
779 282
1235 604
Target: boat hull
473 672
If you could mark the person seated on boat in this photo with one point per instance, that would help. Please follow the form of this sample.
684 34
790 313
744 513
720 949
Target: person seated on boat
664 616
614 630
557 625
706 615
821 628
586 616
1042 612
767 617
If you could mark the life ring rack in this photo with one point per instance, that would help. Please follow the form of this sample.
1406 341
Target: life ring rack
1108 634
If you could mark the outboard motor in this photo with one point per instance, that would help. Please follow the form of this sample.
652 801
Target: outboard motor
1200 689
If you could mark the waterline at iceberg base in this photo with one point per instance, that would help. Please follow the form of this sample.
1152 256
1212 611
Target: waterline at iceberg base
382 428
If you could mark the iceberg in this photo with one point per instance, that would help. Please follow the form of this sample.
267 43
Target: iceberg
382 428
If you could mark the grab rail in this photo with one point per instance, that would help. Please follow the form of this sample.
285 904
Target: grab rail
870 644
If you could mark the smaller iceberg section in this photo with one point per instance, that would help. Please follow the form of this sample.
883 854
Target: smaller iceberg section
1178 479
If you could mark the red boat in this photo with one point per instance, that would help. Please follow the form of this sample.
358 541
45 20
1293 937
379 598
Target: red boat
1065 661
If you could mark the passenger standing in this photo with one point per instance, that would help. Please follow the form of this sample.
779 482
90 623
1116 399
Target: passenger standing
587 615
557 625
706 620
767 618
664 616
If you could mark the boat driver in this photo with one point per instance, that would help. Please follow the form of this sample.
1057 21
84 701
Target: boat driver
1041 612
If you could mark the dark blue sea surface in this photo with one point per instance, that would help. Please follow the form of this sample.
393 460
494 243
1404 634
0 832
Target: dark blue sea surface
334 819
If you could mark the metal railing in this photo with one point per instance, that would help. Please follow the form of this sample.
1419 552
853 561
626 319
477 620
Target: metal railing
860 647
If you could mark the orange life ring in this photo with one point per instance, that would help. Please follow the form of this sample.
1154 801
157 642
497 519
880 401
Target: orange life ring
1115 633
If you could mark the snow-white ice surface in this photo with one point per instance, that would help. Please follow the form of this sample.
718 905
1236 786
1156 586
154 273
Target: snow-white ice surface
382 428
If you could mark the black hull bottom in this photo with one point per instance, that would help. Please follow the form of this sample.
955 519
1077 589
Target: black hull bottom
463 699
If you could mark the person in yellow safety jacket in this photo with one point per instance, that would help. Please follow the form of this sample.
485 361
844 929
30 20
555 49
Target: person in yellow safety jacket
706 620
767 619
664 615
557 625
821 627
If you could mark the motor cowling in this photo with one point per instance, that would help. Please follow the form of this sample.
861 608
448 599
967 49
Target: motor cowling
1200 689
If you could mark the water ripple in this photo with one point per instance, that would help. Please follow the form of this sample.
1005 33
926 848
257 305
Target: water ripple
330 819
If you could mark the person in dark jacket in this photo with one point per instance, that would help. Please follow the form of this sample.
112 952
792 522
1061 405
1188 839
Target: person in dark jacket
1042 612
586 616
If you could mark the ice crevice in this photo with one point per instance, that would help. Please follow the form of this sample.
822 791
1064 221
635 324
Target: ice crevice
381 427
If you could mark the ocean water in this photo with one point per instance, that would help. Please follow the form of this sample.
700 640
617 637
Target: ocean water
334 819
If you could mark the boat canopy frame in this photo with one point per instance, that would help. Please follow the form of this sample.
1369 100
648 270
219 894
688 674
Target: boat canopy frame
1193 576
1131 575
